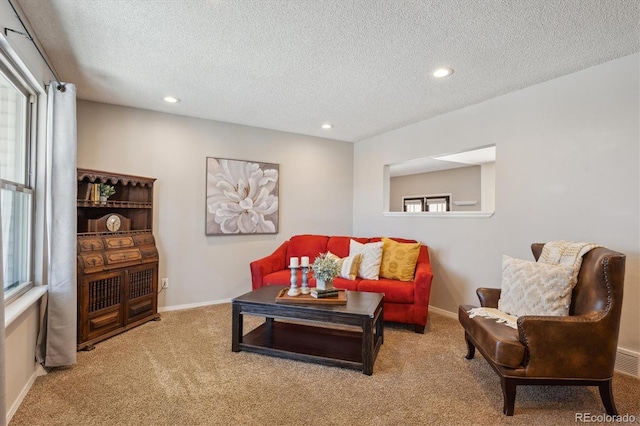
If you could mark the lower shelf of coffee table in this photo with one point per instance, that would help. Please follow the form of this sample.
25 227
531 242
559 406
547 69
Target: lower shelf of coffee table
319 345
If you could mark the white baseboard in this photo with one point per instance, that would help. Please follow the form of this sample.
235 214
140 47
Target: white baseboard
443 312
193 305
25 390
627 362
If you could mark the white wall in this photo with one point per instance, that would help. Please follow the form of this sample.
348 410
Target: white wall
567 167
463 183
488 187
316 189
20 360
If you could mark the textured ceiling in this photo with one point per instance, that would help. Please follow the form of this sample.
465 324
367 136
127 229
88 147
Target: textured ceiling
291 65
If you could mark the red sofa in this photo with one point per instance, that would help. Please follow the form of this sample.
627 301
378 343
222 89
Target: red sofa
404 302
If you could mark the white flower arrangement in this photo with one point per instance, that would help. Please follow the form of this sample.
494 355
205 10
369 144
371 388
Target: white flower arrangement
325 268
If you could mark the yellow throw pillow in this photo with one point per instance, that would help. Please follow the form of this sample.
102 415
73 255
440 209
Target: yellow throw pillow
347 266
399 260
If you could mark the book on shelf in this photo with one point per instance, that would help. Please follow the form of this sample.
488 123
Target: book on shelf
89 193
95 192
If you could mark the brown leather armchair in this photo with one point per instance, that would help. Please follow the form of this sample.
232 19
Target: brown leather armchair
574 350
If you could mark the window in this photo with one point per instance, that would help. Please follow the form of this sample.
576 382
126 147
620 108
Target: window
437 204
427 203
16 190
413 204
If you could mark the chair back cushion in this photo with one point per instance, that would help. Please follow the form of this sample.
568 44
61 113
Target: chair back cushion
600 281
339 245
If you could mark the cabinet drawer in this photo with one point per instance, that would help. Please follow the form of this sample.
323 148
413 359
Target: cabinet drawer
90 244
140 309
118 242
149 253
121 256
144 240
91 260
105 322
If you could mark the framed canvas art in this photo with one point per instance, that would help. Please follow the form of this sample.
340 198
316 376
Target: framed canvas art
242 197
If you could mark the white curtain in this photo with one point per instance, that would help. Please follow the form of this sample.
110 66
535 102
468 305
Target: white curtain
3 396
57 342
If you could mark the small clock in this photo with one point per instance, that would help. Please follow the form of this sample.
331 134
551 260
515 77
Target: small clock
113 223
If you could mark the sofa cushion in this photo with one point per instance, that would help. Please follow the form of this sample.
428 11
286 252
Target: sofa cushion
307 245
399 260
399 240
282 277
371 258
394 291
340 245
345 284
500 342
533 288
347 266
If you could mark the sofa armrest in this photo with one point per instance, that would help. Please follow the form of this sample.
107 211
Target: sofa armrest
488 297
570 346
423 277
276 261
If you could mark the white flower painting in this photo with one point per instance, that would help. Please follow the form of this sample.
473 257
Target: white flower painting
242 197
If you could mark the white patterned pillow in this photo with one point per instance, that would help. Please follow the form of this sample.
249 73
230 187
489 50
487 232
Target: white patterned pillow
371 258
532 288
347 266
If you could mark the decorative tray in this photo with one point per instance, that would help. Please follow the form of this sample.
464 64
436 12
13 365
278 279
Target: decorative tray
307 299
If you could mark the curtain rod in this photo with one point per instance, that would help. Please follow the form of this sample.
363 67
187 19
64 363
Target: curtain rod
61 87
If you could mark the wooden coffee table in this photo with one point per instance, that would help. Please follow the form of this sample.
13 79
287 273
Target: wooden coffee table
314 341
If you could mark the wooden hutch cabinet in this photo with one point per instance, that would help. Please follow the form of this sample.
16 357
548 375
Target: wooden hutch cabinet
117 256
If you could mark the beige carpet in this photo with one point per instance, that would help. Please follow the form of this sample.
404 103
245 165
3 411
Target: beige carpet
181 371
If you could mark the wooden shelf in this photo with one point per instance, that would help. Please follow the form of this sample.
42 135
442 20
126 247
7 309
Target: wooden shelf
116 204
106 234
307 343
95 176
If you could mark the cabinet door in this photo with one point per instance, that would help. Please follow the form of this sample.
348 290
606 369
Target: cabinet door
141 289
100 304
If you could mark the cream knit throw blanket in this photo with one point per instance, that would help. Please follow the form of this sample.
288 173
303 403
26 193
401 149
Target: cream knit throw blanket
554 253
499 316
566 253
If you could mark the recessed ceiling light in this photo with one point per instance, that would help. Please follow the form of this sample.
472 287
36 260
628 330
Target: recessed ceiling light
442 72
171 99
327 126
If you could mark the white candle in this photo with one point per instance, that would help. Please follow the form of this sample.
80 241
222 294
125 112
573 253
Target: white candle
304 261
294 262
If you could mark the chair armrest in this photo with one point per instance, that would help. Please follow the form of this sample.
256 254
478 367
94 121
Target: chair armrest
571 346
488 297
423 277
276 261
